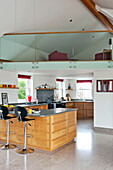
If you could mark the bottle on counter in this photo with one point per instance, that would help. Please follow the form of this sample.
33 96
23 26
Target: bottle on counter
36 100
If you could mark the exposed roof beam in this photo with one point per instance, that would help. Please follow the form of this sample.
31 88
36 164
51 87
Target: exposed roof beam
91 6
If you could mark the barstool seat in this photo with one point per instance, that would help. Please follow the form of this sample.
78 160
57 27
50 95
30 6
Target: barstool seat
4 116
21 114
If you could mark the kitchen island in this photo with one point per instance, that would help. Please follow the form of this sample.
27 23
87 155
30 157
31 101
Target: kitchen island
50 130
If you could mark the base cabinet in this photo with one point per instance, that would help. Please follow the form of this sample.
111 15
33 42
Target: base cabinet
85 109
41 107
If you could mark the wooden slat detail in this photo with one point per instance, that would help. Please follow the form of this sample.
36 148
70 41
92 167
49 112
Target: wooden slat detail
58 134
58 142
88 105
47 133
81 113
90 113
58 126
58 118
79 105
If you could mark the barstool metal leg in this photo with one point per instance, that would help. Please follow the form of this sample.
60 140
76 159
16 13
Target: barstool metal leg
24 135
25 150
7 145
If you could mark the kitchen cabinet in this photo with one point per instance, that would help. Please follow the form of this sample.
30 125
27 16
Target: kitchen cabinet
70 105
88 105
41 107
85 109
46 133
79 105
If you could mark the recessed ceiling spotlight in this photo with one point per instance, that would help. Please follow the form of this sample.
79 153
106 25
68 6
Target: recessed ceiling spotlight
70 20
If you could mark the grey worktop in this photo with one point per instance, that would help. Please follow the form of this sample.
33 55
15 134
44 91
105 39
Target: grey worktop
40 104
76 101
51 112
28 105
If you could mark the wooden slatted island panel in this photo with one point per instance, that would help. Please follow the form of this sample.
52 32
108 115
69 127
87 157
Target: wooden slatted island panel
50 130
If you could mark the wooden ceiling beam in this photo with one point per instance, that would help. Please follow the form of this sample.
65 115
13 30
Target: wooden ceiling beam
103 19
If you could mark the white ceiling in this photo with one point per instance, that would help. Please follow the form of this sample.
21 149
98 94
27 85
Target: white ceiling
60 73
67 74
43 15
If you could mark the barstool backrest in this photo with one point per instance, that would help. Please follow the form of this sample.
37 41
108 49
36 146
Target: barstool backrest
20 112
3 112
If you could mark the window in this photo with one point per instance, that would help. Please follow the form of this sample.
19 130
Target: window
84 89
24 84
60 87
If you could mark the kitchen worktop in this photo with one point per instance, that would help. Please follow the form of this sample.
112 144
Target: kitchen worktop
31 104
76 100
46 103
51 112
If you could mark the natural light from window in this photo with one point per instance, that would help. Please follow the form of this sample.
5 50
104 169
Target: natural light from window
24 89
84 90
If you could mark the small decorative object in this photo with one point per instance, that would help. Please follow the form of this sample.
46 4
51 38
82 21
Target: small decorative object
29 98
36 100
69 86
68 98
42 86
46 86
4 98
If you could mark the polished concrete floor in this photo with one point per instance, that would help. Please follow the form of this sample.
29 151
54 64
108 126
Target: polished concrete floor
91 151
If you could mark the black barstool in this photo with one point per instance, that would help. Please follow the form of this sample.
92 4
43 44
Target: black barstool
4 116
21 114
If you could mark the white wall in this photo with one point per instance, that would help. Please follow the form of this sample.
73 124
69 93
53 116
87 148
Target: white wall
103 102
8 77
36 15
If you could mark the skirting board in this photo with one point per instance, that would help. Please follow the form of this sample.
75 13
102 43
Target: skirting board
103 130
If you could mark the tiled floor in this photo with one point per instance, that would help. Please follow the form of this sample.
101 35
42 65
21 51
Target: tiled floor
91 151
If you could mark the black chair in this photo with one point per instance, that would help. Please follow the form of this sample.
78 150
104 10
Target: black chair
21 114
4 116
